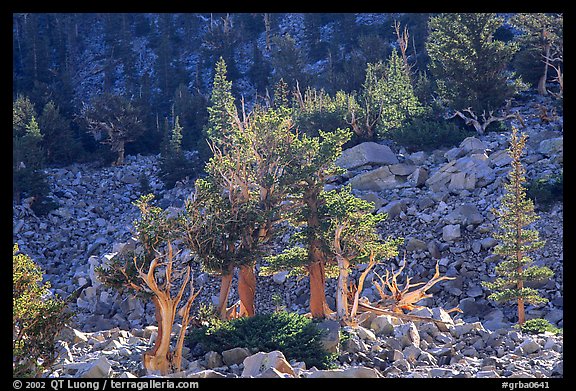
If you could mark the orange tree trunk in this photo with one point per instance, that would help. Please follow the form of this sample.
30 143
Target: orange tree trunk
225 282
160 358
247 288
318 305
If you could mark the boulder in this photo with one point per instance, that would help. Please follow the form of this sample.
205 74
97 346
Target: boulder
235 355
393 208
366 153
402 169
383 325
100 368
331 337
418 177
451 232
473 145
376 180
256 364
213 360
407 334
374 198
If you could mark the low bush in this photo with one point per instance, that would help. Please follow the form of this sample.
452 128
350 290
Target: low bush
546 190
539 325
426 133
297 336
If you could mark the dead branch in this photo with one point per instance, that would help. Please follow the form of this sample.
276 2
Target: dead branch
480 125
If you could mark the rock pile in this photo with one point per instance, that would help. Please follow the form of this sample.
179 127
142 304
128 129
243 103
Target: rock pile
440 202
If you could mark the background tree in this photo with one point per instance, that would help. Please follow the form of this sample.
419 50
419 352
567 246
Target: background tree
29 182
541 34
174 165
114 120
515 214
470 67
59 143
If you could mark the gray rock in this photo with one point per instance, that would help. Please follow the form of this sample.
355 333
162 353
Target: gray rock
376 180
552 147
258 363
366 153
280 277
374 198
235 355
99 368
205 374
473 145
213 360
451 232
485 374
383 325
407 334
331 338
393 208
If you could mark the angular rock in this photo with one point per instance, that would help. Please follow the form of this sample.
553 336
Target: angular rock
383 325
376 180
235 355
280 277
407 334
473 145
552 147
205 374
100 368
331 337
530 346
258 363
393 208
374 198
366 153
451 232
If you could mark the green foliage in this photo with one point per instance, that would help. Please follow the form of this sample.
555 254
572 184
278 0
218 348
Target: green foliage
295 335
428 132
114 120
287 61
318 110
36 319
59 143
469 65
538 31
153 229
28 179
515 214
221 108
546 190
174 166
539 325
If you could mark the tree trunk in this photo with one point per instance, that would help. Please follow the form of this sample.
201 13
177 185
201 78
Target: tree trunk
120 160
542 82
247 288
160 358
318 305
225 283
342 288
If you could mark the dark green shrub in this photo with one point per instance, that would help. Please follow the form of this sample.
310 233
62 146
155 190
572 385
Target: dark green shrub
428 133
539 325
295 335
546 190
36 319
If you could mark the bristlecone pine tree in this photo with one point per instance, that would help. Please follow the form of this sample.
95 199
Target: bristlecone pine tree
515 214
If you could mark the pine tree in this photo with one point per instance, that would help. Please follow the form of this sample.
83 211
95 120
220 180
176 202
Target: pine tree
174 165
468 64
515 214
59 144
221 110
